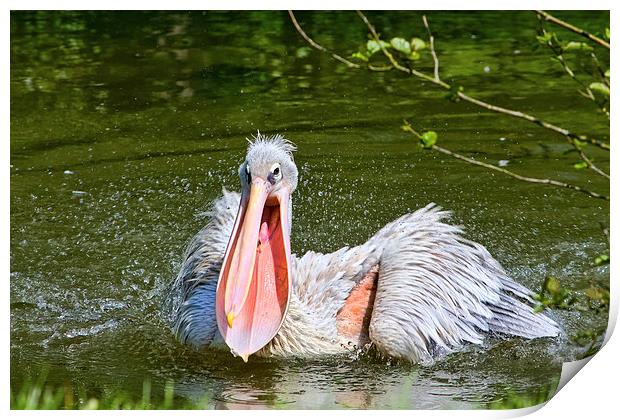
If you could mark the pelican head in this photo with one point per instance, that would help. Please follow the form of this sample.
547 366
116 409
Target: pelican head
254 285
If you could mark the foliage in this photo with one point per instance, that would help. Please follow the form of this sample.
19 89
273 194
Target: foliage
409 50
37 395
553 295
594 299
578 59
580 62
428 139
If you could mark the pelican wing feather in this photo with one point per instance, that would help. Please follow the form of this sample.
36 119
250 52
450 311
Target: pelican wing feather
191 298
437 291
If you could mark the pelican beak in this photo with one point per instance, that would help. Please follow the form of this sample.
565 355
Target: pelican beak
254 284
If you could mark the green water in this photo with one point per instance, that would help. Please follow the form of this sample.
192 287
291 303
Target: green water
148 113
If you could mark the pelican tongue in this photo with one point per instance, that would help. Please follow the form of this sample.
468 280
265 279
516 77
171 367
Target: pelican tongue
254 284
263 235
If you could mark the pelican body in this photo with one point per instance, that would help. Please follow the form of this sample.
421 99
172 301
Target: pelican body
415 291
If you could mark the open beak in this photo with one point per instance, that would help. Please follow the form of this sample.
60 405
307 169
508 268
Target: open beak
255 281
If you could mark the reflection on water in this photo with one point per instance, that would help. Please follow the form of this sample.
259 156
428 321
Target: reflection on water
125 125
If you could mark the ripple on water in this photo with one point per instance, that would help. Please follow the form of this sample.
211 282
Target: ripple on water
238 398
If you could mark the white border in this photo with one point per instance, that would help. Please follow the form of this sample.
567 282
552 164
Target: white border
305 5
592 394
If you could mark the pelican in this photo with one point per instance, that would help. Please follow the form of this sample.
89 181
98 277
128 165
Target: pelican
415 291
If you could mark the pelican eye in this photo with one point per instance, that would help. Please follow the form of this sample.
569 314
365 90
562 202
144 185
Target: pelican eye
247 172
276 171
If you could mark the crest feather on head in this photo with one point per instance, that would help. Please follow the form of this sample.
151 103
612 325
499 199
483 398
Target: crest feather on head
276 141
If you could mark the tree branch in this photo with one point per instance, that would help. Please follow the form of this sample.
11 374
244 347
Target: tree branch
572 28
559 55
558 52
318 46
532 119
478 102
431 40
599 68
591 165
391 58
321 48
409 128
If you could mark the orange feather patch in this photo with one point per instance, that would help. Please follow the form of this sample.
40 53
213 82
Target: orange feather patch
353 318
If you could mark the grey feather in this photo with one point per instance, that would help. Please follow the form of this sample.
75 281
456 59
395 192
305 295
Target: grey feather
191 299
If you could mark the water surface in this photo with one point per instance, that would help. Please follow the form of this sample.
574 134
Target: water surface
124 126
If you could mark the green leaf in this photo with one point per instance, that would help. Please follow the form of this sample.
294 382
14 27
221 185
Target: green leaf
401 45
428 139
453 95
373 46
552 285
579 145
576 46
545 38
600 88
359 56
414 56
602 259
580 165
417 44
607 74
607 33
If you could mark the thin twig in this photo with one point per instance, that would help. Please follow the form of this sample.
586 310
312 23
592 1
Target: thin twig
395 62
520 177
587 92
431 40
599 68
559 55
533 119
591 165
473 161
572 28
482 104
318 46
379 68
